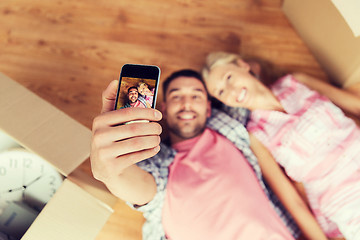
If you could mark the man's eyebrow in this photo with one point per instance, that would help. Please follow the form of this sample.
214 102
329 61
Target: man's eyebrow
200 90
173 90
195 89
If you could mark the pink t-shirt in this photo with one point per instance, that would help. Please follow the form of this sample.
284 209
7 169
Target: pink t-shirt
137 104
213 193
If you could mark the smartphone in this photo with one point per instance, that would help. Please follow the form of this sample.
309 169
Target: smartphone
138 86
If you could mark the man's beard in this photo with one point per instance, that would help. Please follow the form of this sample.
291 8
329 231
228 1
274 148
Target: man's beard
196 130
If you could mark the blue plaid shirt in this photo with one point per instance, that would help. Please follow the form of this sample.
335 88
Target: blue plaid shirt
230 123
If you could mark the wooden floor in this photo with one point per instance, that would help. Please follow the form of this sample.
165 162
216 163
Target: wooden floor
68 51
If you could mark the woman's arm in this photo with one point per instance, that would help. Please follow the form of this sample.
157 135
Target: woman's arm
346 100
286 192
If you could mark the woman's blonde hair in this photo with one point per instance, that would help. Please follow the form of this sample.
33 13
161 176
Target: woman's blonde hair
268 72
218 58
142 83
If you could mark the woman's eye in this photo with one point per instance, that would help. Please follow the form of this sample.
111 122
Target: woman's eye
220 92
228 77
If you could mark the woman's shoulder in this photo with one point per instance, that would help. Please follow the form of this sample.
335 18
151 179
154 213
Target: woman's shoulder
284 85
290 84
288 80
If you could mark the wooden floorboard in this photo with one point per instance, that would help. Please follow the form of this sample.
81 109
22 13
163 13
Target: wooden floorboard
68 51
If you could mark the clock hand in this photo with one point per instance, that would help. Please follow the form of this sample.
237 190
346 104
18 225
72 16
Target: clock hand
14 189
23 188
33 181
23 182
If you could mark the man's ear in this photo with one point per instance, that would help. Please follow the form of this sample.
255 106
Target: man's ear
208 110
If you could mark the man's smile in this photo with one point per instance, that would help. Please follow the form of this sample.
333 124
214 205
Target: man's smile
186 115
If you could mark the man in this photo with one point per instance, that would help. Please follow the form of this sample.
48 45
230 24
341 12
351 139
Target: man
199 186
134 100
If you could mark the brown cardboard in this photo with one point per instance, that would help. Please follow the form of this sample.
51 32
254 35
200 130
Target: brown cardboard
92 186
41 128
349 9
325 31
81 206
66 217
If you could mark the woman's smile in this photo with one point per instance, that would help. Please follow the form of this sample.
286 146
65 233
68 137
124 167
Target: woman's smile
242 95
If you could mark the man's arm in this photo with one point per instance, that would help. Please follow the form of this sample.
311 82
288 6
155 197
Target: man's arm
346 100
286 192
116 147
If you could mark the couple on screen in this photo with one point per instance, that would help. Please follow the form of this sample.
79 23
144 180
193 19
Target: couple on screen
139 96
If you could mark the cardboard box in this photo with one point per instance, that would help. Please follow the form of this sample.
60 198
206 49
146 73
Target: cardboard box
82 205
330 34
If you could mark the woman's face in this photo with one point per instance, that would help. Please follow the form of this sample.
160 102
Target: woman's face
147 92
144 90
233 85
141 89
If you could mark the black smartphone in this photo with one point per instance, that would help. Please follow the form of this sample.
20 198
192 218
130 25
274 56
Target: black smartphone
138 86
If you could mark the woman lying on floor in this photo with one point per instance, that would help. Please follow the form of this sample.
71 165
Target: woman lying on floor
304 131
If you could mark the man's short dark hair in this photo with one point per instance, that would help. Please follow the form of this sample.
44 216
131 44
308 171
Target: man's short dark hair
183 73
132 87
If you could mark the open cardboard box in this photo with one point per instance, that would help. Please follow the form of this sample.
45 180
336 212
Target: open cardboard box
331 31
82 205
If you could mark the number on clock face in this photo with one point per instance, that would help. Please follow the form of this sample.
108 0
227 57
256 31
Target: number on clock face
25 177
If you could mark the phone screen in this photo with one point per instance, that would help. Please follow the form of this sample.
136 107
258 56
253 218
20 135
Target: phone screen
138 86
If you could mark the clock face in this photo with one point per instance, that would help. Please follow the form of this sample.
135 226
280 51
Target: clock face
26 178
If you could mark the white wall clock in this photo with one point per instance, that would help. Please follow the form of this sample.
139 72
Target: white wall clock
27 183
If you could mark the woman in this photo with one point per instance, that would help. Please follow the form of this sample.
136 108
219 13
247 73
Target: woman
308 135
148 94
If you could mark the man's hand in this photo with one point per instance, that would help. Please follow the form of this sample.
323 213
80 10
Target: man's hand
116 146
109 97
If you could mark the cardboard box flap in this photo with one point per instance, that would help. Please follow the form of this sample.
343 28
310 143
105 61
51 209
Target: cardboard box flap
93 186
350 11
72 214
328 36
354 78
42 128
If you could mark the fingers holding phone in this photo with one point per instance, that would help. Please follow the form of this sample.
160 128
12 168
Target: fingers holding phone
117 145
109 96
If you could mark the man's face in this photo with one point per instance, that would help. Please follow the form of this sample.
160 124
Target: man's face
133 95
186 108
